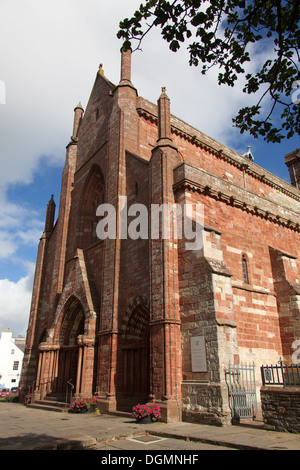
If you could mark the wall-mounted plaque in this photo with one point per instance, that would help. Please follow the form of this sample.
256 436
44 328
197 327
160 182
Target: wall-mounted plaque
198 353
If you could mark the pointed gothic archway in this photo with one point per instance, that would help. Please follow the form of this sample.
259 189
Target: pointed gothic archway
70 354
93 194
133 371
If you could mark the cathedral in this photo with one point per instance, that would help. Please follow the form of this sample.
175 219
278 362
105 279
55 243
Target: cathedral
126 314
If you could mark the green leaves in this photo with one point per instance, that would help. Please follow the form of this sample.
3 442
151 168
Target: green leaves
230 33
199 18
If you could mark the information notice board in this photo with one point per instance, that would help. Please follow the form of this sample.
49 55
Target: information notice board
198 354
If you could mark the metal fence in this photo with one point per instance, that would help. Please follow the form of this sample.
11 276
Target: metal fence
242 390
281 374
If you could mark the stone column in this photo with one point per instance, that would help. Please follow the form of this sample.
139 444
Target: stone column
79 368
124 137
39 369
165 340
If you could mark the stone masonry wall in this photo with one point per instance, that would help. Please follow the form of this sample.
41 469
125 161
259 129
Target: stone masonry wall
281 408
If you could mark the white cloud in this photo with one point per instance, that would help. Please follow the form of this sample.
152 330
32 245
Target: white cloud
15 300
30 236
18 226
50 59
7 246
49 63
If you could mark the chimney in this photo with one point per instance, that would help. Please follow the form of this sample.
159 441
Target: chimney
292 161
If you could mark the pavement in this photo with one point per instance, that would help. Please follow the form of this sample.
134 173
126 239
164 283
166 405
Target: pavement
25 428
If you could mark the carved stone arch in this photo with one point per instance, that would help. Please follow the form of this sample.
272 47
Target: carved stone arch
93 194
136 319
66 303
134 370
72 323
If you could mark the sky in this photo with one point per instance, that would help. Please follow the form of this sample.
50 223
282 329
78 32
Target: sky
49 57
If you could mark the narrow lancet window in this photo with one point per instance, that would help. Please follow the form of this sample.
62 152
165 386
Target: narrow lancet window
245 270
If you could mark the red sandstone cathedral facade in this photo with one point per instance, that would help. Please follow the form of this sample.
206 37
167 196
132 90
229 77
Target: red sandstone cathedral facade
122 318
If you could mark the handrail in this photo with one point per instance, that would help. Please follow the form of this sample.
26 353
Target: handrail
40 387
44 383
72 388
30 390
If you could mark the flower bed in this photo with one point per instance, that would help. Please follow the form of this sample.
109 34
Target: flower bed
12 397
139 412
27 399
83 405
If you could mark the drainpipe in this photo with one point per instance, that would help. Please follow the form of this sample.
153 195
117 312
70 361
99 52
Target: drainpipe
244 173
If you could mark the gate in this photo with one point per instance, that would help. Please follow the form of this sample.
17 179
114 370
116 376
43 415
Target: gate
242 391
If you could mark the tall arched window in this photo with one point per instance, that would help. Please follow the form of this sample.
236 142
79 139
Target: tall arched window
98 199
245 270
93 195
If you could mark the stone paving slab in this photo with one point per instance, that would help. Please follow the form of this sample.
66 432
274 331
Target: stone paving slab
242 437
32 429
157 443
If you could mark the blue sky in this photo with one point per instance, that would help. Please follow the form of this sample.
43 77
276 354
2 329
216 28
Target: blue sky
49 58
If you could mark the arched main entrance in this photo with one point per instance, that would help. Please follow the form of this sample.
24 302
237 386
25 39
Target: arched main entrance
133 376
68 358
72 327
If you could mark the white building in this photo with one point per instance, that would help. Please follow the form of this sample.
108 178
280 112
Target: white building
11 359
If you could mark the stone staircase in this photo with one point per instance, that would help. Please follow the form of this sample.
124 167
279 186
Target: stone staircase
51 403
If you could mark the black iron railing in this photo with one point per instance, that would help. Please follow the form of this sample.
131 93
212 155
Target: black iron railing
281 374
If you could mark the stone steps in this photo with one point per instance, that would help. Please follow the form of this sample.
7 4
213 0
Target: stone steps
50 405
